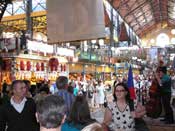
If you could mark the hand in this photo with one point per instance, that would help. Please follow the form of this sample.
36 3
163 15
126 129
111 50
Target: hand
157 76
133 114
104 126
140 111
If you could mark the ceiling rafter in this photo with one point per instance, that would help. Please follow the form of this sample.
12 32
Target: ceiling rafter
133 15
160 9
152 8
140 14
143 14
123 2
166 9
139 6
147 28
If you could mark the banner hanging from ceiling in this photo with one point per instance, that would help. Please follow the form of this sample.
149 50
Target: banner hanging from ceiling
72 20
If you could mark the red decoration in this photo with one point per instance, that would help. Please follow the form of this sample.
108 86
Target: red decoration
8 65
22 66
61 67
42 66
123 33
28 66
64 67
37 67
53 63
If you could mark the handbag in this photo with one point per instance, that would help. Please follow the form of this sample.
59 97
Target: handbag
105 102
90 94
140 125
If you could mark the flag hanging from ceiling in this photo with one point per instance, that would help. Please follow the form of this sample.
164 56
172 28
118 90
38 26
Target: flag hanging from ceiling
131 84
72 20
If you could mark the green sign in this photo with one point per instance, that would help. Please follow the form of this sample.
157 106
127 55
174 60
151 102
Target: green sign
90 57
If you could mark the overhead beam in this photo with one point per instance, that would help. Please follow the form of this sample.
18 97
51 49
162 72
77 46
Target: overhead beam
131 11
152 8
133 15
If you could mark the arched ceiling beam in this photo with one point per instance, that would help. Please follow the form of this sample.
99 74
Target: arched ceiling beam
132 11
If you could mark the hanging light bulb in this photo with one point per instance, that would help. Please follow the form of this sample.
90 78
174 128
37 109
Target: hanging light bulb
152 41
112 48
101 42
85 42
93 41
173 31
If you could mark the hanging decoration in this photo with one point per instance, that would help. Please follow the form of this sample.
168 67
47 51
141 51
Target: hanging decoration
61 67
8 65
123 36
107 19
22 65
42 66
37 67
28 66
64 67
53 63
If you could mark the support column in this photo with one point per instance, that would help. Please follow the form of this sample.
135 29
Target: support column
111 31
29 28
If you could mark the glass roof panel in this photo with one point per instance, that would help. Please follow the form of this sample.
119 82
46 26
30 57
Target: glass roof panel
39 5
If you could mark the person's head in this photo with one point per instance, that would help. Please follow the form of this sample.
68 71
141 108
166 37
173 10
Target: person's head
27 85
32 90
80 112
93 127
121 92
44 89
19 89
162 71
100 82
50 112
70 89
62 82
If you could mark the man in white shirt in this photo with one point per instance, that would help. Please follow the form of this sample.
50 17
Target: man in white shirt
19 113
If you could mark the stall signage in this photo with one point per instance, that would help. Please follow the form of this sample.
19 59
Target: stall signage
94 57
9 54
84 55
87 56
65 52
39 46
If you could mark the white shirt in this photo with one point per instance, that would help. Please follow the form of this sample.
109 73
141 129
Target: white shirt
18 106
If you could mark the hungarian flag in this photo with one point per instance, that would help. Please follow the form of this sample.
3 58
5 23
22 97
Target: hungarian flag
131 84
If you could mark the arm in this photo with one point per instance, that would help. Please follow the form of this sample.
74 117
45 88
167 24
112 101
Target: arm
107 119
140 111
107 116
158 79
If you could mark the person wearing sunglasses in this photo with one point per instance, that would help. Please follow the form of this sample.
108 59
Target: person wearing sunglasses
118 115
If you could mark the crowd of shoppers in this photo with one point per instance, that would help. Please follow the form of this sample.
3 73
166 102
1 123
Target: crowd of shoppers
25 107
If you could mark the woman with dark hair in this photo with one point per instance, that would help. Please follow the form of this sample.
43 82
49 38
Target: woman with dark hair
118 114
79 116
